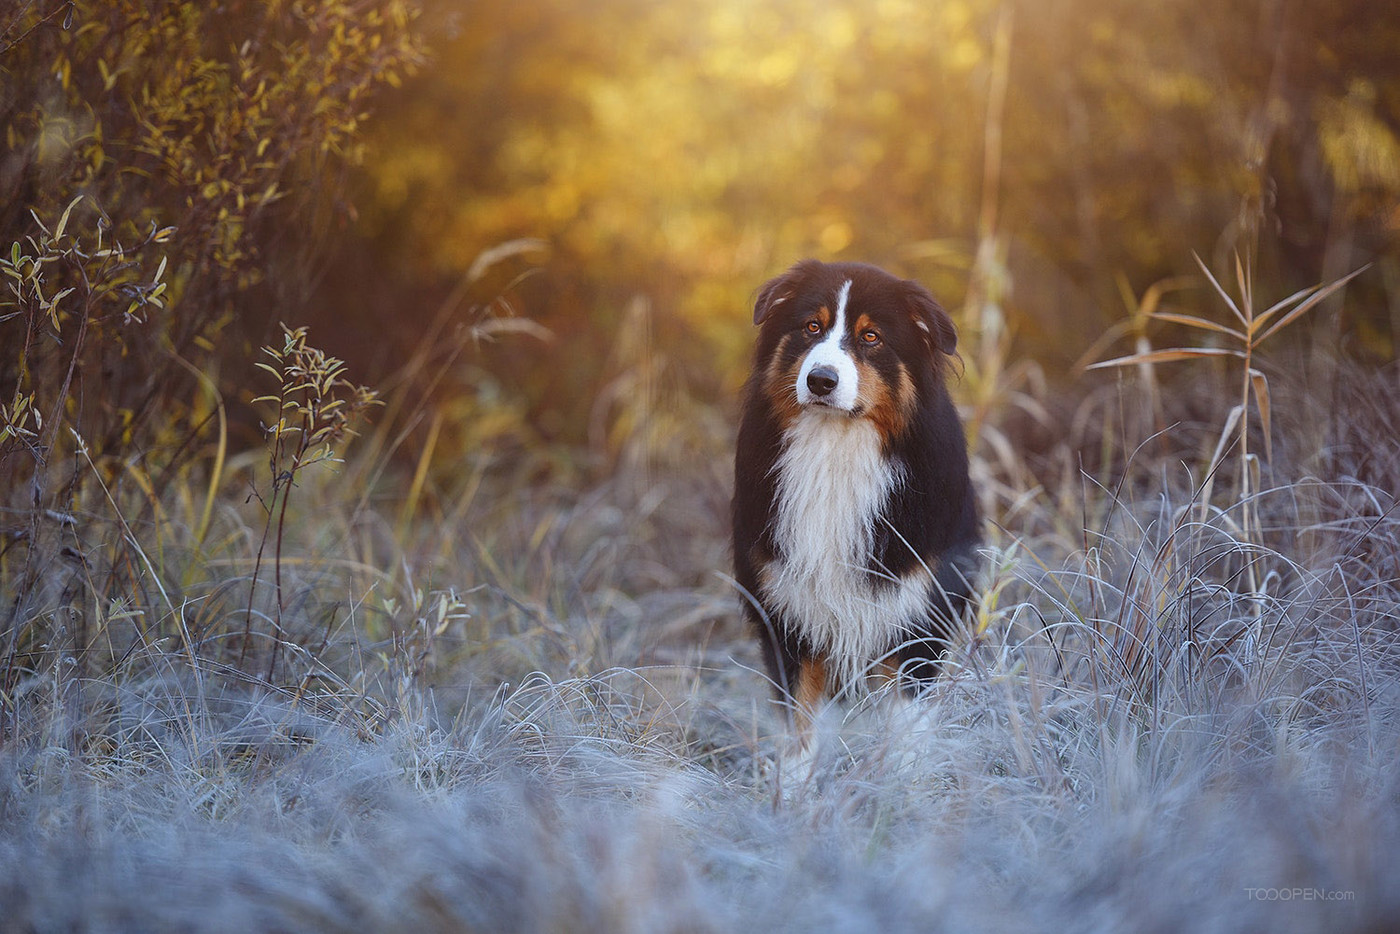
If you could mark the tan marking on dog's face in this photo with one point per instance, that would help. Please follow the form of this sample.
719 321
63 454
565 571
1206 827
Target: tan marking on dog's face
888 406
775 365
780 382
863 323
905 394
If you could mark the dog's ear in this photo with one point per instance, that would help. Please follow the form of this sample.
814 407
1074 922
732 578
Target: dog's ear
776 291
931 319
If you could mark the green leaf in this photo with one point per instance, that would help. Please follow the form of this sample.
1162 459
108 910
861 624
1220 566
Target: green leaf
63 221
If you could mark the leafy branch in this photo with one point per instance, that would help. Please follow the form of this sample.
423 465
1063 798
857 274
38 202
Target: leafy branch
314 409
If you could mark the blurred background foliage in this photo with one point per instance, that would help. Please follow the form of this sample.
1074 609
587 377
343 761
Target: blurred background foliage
674 155
616 178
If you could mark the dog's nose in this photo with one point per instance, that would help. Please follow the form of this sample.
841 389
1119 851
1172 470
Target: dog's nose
821 380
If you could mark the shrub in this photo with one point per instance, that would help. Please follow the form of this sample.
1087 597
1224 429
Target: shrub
160 159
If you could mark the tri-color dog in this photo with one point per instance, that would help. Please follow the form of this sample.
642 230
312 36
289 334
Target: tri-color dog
855 524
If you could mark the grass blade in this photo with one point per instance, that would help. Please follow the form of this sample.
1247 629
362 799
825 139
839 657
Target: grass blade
1153 296
1312 300
1263 318
1260 384
1166 356
1221 290
503 251
1191 321
1243 277
1222 444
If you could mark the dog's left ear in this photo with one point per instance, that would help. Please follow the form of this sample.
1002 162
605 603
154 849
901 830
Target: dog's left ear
931 319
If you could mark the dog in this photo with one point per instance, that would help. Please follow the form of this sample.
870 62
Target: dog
855 525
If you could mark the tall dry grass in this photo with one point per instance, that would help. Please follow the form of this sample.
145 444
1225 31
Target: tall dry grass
532 706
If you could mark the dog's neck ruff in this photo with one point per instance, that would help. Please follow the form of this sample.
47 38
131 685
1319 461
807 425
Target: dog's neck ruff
833 482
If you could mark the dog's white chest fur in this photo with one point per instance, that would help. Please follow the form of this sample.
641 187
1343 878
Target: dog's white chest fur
832 483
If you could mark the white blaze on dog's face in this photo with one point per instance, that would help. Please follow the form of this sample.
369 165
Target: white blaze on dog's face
828 376
847 342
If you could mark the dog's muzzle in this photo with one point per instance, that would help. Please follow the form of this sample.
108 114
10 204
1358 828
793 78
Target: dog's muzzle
828 378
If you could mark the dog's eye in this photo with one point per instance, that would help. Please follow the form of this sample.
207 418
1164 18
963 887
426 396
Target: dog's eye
870 338
814 326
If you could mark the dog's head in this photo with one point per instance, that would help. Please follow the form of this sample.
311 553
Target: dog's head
850 340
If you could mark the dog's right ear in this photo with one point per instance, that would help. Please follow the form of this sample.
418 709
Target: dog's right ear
779 290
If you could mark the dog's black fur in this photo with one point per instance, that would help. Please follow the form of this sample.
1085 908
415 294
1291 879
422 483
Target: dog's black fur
926 528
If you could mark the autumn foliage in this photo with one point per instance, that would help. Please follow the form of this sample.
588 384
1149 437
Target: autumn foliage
161 160
1040 166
